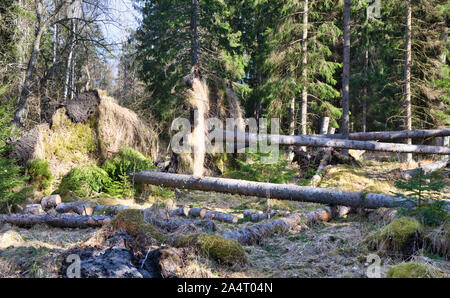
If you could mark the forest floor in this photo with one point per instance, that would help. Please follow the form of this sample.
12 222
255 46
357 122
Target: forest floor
332 249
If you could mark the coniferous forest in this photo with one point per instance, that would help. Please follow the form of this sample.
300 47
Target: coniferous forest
224 138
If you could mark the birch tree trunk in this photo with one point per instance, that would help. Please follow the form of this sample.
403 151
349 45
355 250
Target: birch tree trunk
407 75
69 62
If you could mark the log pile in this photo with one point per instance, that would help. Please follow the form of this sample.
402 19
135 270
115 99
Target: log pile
297 221
204 213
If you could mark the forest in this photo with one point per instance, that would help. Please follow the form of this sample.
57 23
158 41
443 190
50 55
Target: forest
224 138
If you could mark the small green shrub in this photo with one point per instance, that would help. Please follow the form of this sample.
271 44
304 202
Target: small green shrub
125 161
84 181
39 173
255 170
13 189
421 187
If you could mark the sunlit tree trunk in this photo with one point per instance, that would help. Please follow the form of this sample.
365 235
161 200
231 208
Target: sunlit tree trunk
407 75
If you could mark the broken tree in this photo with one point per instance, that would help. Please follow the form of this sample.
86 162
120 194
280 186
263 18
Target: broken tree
277 191
319 141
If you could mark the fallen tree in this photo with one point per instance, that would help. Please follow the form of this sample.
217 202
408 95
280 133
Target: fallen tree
393 135
55 220
277 191
426 169
298 221
173 224
320 141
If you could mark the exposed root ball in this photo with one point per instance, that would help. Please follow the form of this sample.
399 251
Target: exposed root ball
224 250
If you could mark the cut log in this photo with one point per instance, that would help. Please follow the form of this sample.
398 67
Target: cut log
49 202
427 169
257 216
277 191
321 141
55 220
78 207
110 210
225 217
182 211
173 224
298 221
197 212
33 209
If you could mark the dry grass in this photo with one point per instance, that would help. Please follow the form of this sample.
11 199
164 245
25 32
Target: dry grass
119 127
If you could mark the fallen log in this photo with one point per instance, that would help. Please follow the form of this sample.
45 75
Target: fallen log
213 215
78 207
320 141
427 169
182 211
327 196
51 201
257 216
55 220
393 135
173 224
197 212
33 209
298 221
110 210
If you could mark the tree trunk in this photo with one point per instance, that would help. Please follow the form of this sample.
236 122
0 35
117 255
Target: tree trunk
182 211
297 221
56 220
346 71
194 18
393 135
270 190
78 207
304 104
33 209
407 74
69 63
315 180
173 224
51 201
319 141
366 83
427 169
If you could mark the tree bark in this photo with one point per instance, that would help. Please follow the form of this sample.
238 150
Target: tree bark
319 141
315 180
33 209
55 220
182 211
365 92
194 18
393 135
51 201
69 62
278 191
407 75
427 169
173 224
346 71
78 207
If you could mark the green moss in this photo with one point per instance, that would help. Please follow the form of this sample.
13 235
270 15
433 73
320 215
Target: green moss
84 181
127 160
396 236
413 270
223 250
39 173
70 141
132 222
